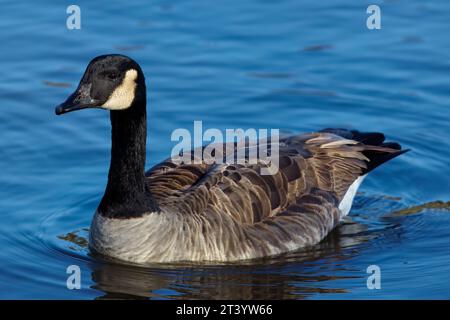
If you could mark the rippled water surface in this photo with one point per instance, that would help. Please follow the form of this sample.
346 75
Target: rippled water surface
291 65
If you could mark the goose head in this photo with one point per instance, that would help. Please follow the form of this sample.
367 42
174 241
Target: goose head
116 83
111 82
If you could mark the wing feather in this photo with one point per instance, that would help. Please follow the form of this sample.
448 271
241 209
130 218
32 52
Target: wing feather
245 211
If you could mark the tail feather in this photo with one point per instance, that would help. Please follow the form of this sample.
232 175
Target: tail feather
377 156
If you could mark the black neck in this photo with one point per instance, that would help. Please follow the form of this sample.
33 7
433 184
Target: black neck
126 195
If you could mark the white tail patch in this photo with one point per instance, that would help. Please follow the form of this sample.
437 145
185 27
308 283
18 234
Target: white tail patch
346 204
123 95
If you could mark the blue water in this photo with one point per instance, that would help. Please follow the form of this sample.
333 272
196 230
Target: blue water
290 65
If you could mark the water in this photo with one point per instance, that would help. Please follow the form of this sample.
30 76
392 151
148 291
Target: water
291 65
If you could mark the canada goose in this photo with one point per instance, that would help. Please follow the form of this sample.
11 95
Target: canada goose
215 212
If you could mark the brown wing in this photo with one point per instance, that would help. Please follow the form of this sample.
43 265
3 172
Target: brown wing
266 214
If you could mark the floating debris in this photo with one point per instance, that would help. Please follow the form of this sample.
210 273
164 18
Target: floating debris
412 39
436 205
74 238
270 75
306 92
318 47
57 84
130 47
393 198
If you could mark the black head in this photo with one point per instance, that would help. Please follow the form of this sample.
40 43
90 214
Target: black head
112 82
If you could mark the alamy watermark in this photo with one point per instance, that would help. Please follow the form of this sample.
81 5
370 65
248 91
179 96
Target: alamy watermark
74 278
374 20
73 21
374 280
239 146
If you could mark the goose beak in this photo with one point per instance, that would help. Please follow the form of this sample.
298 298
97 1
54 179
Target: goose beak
78 100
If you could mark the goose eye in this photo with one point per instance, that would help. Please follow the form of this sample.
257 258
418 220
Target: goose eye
111 75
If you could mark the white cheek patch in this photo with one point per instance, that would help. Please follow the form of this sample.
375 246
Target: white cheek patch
123 95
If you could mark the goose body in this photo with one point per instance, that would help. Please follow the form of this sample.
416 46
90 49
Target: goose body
215 212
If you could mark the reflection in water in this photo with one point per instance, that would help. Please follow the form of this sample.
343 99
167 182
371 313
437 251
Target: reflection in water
207 282
294 275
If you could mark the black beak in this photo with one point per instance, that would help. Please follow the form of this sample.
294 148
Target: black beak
78 100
